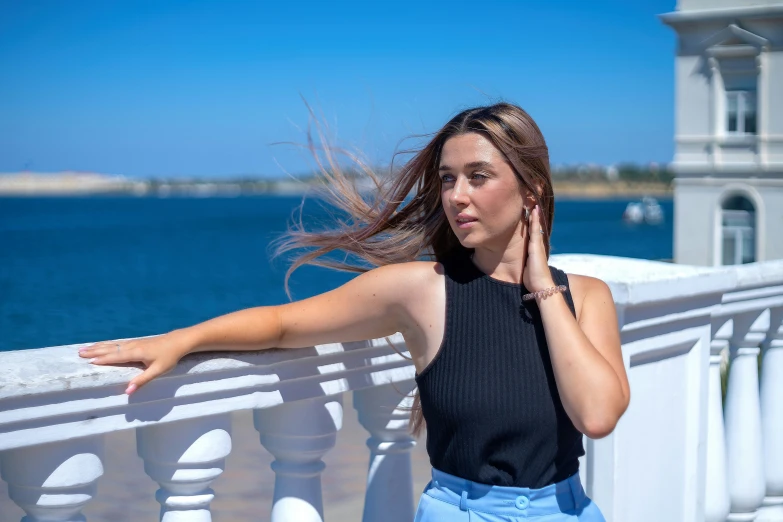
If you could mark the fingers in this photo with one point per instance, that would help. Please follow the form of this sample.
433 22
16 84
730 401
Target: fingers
107 352
143 378
156 356
99 348
534 228
113 352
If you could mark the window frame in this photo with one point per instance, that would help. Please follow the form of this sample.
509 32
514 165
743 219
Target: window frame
743 99
738 221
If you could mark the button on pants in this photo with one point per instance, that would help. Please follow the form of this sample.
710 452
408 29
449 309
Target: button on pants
453 499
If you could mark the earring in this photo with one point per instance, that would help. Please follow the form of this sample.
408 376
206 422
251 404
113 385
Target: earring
527 214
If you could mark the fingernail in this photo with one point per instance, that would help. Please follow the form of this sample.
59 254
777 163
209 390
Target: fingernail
131 389
92 360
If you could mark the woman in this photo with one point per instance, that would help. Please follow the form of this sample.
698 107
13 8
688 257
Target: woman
515 360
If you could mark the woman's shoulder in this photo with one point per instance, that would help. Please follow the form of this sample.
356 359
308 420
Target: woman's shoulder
584 281
412 274
582 286
416 287
415 271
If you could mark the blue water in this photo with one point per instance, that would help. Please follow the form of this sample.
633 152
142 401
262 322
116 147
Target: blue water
78 270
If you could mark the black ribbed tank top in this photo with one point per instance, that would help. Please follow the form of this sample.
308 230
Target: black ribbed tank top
489 396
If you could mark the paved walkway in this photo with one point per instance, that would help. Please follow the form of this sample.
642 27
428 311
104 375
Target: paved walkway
244 491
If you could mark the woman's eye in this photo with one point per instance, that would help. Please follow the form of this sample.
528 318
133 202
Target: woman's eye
448 178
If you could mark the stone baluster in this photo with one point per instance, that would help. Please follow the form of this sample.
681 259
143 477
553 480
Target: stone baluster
53 482
299 434
184 457
384 412
772 418
745 464
716 500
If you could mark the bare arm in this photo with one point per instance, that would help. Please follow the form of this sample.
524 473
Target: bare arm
586 358
374 304
369 306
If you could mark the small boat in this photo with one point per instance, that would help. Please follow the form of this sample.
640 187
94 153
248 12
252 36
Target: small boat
634 213
653 212
648 210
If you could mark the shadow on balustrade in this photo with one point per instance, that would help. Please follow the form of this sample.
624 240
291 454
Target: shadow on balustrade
259 379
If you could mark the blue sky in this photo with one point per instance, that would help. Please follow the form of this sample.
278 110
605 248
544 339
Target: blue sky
197 88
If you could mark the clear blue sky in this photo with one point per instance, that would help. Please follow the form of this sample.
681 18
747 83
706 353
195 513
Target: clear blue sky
202 88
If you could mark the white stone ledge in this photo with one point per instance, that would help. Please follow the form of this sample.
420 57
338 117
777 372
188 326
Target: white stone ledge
676 18
52 394
639 281
755 274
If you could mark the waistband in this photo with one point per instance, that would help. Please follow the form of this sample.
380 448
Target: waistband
564 496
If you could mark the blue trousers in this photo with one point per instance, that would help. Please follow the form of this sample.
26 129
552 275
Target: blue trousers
453 499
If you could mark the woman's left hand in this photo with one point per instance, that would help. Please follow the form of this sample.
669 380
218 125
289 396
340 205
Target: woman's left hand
536 275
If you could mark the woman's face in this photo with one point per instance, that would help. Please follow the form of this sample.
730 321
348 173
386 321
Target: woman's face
480 192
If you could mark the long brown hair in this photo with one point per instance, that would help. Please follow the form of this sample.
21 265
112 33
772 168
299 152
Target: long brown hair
403 220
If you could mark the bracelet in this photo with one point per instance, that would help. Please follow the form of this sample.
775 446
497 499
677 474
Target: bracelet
544 293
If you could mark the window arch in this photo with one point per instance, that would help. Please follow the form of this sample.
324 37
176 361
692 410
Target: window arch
738 224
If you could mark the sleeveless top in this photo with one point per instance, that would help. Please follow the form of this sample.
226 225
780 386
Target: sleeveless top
489 396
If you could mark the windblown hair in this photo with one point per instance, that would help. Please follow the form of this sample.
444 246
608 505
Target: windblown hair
404 220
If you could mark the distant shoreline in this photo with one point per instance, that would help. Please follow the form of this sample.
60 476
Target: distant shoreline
75 184
616 189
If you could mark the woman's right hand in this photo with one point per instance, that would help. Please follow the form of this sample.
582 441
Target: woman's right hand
159 354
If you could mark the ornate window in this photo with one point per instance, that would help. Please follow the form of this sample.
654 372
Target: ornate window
741 112
738 219
734 59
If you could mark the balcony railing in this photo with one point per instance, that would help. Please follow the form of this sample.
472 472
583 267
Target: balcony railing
680 453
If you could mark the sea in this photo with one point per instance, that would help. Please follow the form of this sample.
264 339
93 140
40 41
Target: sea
84 269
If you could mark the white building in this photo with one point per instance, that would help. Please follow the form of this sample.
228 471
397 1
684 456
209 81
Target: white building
728 195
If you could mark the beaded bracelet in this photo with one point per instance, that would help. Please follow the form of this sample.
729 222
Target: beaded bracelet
544 293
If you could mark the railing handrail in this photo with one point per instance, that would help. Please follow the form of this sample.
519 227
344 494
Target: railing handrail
51 393
640 281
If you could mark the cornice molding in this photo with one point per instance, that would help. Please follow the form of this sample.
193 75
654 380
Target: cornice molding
733 32
733 51
707 174
710 139
679 18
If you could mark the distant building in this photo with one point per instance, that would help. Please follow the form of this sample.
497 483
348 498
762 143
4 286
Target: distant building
728 160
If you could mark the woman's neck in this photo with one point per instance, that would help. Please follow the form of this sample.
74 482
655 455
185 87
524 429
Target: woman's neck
504 265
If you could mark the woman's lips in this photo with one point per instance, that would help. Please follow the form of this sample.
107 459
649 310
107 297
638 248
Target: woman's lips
466 223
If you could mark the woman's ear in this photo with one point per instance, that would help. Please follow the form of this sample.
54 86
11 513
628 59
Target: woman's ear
530 200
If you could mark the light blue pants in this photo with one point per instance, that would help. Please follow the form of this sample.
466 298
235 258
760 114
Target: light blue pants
453 499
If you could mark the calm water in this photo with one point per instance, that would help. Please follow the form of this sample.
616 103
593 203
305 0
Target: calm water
85 269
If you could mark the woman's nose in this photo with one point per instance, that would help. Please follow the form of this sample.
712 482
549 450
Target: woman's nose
459 192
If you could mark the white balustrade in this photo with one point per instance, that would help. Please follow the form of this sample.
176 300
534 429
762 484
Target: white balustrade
184 457
716 501
659 448
53 482
384 411
748 307
299 434
772 418
743 421
674 456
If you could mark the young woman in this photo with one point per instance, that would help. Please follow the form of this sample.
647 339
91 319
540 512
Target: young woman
515 359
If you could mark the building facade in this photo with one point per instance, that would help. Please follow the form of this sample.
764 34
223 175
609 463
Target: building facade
728 159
